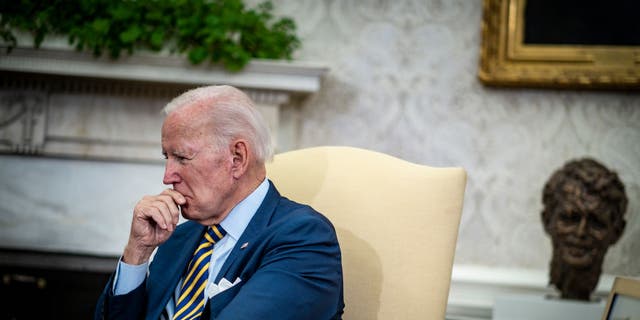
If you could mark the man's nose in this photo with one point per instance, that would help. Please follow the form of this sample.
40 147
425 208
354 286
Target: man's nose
171 175
582 227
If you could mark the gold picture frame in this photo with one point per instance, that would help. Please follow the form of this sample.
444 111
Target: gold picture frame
505 59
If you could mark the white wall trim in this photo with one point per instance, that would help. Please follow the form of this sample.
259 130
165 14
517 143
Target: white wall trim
474 289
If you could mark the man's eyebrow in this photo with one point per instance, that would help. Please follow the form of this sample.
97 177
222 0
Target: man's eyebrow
173 153
182 153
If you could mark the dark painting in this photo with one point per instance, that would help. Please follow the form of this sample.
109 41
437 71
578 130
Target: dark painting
582 22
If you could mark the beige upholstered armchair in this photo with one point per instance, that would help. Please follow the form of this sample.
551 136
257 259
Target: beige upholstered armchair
397 223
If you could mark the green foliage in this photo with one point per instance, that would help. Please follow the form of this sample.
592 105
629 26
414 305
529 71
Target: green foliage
221 31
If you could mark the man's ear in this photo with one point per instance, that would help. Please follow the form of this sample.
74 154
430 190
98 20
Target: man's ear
616 231
240 157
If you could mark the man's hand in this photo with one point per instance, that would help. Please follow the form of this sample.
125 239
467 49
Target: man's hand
154 219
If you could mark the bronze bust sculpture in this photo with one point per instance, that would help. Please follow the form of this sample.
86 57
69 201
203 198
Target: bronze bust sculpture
584 206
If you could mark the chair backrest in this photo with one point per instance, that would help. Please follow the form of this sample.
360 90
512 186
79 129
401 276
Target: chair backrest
624 299
397 223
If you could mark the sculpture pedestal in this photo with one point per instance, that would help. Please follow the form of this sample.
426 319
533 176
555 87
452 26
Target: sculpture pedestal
535 307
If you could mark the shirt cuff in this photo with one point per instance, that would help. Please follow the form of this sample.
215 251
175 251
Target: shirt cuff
128 277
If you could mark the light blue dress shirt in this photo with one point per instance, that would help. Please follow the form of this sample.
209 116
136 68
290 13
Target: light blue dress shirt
128 277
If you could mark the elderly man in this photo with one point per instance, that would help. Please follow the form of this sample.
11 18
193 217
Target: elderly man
245 252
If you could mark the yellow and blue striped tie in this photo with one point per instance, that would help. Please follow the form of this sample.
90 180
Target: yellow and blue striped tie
191 302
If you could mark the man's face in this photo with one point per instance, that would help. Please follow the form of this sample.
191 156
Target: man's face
195 168
582 228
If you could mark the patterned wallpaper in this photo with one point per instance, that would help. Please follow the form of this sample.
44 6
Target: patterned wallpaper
403 81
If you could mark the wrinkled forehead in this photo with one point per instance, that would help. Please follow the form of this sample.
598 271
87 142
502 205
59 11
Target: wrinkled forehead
187 122
587 203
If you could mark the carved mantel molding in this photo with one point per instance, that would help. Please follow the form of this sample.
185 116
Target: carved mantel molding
59 102
293 77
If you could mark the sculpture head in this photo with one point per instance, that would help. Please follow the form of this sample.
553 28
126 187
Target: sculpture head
584 206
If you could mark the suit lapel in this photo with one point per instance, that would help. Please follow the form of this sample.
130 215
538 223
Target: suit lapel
169 266
259 221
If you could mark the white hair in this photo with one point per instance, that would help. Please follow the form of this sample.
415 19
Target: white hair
232 115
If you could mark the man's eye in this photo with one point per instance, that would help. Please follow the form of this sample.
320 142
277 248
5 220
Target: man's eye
164 156
569 217
596 223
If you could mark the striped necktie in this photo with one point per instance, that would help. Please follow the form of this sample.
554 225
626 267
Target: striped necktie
191 302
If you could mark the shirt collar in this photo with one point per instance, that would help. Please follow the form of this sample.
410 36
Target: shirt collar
239 217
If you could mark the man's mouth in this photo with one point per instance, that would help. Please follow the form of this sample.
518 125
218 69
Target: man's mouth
579 251
579 255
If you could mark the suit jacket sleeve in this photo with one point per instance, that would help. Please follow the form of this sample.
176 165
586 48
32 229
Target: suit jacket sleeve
127 306
299 275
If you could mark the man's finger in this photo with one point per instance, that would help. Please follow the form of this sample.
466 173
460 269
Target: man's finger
170 202
153 213
177 196
164 208
173 207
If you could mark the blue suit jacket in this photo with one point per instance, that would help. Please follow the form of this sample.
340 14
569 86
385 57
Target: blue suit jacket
291 269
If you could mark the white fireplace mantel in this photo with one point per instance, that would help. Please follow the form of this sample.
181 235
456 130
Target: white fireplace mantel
60 102
292 77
